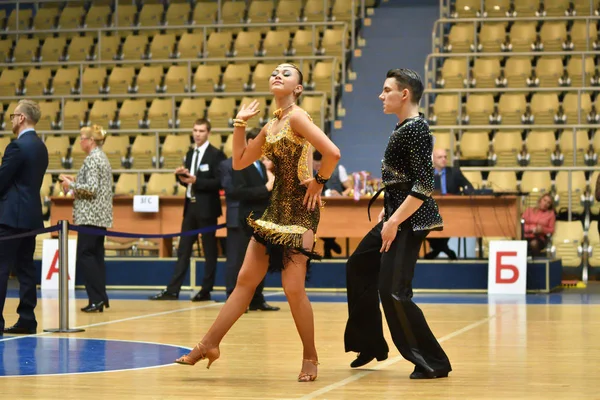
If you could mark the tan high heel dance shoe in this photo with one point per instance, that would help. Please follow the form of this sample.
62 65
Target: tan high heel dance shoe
306 377
200 352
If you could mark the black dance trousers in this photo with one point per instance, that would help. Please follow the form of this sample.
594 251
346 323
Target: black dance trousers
90 262
391 273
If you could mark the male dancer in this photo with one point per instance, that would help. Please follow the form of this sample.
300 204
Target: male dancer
408 215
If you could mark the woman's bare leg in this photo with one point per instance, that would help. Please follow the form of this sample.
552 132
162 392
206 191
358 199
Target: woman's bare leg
251 274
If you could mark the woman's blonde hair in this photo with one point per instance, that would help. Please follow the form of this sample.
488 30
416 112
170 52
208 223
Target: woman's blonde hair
96 132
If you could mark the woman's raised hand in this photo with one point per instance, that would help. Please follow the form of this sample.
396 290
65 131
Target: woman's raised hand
246 113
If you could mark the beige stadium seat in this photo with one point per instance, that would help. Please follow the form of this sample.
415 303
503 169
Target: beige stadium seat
115 148
567 243
444 140
11 108
580 71
93 80
215 139
577 191
276 43
595 204
549 71
461 38
131 114
261 75
467 9
565 143
178 14
58 147
120 80
485 72
151 15
523 36
233 12
76 157
479 109
206 78
334 42
149 79
474 145
189 111
324 75
228 146
80 48
556 8
50 113
496 8
583 36
303 43
24 21
526 8
288 10
53 49
502 181
492 37
445 109
218 44
220 111
454 73
572 105
160 114
517 71
125 18
262 104
103 112
108 48
474 178
177 79
553 36
342 11
205 13
162 184
71 17
536 183
134 47
541 145
162 46
65 81
247 44
316 107
593 245
5 48
44 20
174 150
485 244
260 12
190 45
97 17
74 114
143 152
507 147
544 107
127 185
37 82
26 50
235 77
584 7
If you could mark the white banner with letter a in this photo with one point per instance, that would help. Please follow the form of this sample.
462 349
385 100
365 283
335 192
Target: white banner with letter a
145 203
507 267
50 265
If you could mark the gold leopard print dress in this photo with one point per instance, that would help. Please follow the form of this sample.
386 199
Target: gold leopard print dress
286 219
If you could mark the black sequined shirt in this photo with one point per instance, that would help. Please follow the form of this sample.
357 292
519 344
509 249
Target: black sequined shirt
407 169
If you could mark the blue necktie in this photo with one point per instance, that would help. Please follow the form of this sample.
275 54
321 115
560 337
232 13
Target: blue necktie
257 165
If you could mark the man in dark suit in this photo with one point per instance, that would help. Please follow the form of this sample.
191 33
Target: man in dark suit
447 181
246 191
21 174
200 177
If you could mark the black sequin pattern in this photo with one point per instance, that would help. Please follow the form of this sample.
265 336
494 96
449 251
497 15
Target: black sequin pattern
407 160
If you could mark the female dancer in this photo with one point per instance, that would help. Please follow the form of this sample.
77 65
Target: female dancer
93 208
284 237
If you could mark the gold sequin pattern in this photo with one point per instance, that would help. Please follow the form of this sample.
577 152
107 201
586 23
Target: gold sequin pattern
286 219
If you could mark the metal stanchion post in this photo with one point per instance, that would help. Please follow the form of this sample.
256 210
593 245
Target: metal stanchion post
63 281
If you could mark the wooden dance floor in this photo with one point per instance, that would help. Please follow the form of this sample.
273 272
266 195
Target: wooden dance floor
499 349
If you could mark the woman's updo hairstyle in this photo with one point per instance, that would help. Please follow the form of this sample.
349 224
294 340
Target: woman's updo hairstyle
297 93
96 132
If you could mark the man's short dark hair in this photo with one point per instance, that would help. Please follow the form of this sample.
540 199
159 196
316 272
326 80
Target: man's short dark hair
317 156
252 133
203 121
408 79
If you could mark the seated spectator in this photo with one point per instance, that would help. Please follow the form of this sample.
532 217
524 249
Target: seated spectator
539 222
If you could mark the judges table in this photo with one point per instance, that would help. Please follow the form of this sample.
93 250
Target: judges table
464 216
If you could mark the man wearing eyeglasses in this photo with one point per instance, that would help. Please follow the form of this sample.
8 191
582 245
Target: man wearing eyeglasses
22 170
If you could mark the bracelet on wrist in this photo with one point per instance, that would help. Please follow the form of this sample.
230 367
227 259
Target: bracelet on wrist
320 180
